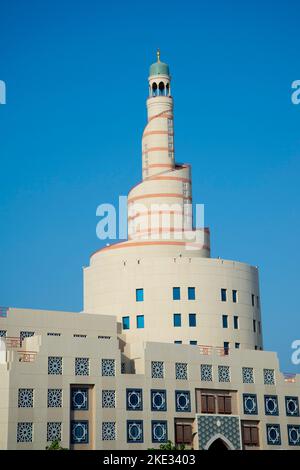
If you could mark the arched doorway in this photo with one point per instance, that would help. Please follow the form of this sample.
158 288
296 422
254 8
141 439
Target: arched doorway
217 445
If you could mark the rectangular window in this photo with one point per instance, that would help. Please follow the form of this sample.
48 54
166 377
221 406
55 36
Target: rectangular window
234 296
259 327
237 345
183 434
236 322
224 404
193 343
257 302
252 300
223 295
125 323
177 342
177 319
226 347
140 321
139 295
225 321
254 326
176 293
250 435
208 404
192 319
191 293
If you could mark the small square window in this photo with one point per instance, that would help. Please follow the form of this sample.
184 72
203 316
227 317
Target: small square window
223 295
236 322
177 319
139 295
237 345
234 296
125 323
192 319
225 321
191 293
176 293
140 321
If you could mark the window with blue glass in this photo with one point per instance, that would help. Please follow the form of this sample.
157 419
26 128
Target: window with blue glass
79 399
192 319
271 405
125 323
273 434
292 406
225 321
226 347
158 400
159 431
250 404
293 434
191 293
182 401
193 342
140 321
176 293
223 295
177 319
134 399
234 296
177 342
79 432
236 322
139 295
135 433
237 345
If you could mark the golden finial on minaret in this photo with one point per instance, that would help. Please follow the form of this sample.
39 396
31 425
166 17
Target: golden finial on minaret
158 55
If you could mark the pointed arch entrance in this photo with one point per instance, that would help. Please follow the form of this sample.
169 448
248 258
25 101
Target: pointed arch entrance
219 442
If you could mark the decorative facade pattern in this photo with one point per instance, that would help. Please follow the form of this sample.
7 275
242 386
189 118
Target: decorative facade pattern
108 398
181 371
54 398
158 400
206 372
292 406
250 404
134 399
25 398
213 427
273 434
108 431
135 432
79 398
293 434
55 365
157 370
182 400
82 366
269 377
24 432
159 431
248 375
108 368
79 432
224 373
26 334
53 432
271 405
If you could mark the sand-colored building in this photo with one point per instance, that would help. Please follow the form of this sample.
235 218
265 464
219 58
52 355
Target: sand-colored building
169 344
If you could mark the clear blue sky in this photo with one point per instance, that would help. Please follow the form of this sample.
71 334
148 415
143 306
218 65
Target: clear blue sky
76 76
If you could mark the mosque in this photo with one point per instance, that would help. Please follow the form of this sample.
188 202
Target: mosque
169 345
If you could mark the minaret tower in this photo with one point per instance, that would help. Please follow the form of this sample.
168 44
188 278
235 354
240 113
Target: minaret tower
162 283
160 206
